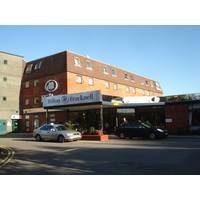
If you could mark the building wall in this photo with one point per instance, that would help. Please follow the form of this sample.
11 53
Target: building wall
177 114
11 68
148 86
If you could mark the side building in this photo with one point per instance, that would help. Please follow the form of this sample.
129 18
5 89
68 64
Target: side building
68 73
11 70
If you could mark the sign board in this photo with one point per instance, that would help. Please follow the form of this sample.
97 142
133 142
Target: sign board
16 117
70 99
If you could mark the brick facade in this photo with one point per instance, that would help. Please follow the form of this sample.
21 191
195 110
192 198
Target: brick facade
178 116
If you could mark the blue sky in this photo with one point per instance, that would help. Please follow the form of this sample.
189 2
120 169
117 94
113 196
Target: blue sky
168 54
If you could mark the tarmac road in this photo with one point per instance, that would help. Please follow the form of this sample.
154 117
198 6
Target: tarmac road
171 156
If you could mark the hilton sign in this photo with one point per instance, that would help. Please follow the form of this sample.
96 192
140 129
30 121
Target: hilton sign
69 99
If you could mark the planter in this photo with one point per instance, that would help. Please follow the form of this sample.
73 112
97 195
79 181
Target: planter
95 137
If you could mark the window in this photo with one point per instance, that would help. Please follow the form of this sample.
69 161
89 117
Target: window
132 78
37 66
115 86
88 63
107 84
77 61
90 81
36 100
151 83
36 83
143 92
29 68
126 76
105 70
26 102
79 79
127 89
5 62
4 79
134 90
4 98
141 81
27 84
113 72
147 83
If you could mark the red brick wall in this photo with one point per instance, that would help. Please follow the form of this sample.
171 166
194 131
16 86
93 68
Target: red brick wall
178 113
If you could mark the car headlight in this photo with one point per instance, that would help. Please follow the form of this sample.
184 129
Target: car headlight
160 130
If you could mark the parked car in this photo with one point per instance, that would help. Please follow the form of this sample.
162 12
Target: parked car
56 132
139 129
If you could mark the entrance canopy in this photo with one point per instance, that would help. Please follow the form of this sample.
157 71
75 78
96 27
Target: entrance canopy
93 100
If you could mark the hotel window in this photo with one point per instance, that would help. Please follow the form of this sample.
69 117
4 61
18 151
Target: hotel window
77 61
134 90
115 86
5 79
143 92
107 84
26 102
126 76
114 72
147 83
36 83
79 79
132 78
89 65
105 70
127 89
148 93
29 68
90 81
5 62
37 65
141 81
27 84
36 100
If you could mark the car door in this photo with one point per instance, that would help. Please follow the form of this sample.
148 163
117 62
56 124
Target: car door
43 132
52 133
140 130
129 129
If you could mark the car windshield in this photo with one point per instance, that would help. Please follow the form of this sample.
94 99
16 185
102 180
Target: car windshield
147 125
61 128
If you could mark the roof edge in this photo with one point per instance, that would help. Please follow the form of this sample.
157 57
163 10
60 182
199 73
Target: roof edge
11 54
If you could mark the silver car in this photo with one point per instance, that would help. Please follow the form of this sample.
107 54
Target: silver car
56 132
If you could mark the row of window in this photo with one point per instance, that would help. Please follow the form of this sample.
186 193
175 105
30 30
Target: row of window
113 72
35 66
79 80
77 62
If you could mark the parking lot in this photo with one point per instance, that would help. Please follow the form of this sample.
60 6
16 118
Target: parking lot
171 156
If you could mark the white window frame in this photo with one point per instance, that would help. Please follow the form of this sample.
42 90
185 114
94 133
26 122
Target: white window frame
79 79
115 86
90 81
113 72
88 66
126 76
127 89
107 85
77 61
105 70
27 102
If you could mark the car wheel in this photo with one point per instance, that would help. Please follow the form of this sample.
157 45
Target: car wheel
38 138
152 136
122 135
61 139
